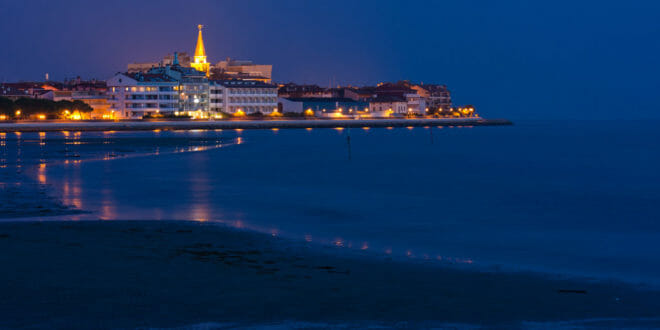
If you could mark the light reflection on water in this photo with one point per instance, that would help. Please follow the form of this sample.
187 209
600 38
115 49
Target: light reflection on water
103 202
425 201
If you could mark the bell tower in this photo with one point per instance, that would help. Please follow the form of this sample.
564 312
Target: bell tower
199 62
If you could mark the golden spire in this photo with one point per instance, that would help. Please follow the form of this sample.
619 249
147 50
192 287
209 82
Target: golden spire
199 51
199 62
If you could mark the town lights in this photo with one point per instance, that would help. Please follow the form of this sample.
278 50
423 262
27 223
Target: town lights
41 117
18 113
3 117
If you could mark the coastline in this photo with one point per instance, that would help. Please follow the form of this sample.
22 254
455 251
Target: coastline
175 274
45 126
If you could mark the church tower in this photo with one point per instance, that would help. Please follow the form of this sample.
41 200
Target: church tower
199 63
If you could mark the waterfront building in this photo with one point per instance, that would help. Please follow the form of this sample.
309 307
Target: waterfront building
324 106
97 99
388 105
162 91
416 104
199 60
241 97
136 95
438 97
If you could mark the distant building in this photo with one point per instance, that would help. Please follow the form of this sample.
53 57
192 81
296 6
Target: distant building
416 104
183 58
388 105
324 106
290 106
242 97
15 91
438 97
292 90
95 99
244 70
228 69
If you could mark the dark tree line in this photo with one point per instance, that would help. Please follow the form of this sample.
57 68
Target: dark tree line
29 107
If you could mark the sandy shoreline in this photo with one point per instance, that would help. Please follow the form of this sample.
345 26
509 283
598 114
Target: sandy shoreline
45 126
121 274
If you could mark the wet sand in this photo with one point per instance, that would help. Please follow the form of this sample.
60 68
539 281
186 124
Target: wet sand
22 197
121 274
54 126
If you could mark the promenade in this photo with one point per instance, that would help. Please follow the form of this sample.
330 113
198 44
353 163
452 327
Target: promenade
53 126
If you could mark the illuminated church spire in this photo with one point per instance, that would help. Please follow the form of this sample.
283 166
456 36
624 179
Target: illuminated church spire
199 63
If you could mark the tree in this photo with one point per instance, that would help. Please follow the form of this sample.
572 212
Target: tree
35 106
7 106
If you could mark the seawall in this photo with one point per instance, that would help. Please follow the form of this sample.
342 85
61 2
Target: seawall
52 126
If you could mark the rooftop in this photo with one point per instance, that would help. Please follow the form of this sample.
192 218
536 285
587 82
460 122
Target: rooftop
242 83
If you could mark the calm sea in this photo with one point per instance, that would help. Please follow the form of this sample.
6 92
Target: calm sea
561 197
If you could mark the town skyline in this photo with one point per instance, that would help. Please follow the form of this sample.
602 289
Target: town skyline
483 51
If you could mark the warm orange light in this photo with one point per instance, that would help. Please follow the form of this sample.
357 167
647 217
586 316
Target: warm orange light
41 117
239 113
18 112
309 112
3 117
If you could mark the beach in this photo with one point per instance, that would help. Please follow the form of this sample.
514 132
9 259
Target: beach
130 274
282 229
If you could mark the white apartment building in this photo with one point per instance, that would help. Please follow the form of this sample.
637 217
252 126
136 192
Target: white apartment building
134 96
170 90
242 97
416 104
386 106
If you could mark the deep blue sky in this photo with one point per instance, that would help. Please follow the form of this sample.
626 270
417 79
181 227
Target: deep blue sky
516 59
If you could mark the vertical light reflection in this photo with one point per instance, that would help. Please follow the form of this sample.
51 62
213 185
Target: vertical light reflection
3 144
72 187
41 173
199 187
108 205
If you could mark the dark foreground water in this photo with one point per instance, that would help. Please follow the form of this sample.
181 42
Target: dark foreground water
562 197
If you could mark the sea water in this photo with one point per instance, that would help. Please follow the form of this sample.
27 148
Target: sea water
576 198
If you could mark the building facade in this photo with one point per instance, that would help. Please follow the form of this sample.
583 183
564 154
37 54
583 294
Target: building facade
386 106
239 97
134 96
244 70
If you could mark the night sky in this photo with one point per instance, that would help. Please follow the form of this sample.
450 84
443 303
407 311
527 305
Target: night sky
516 59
